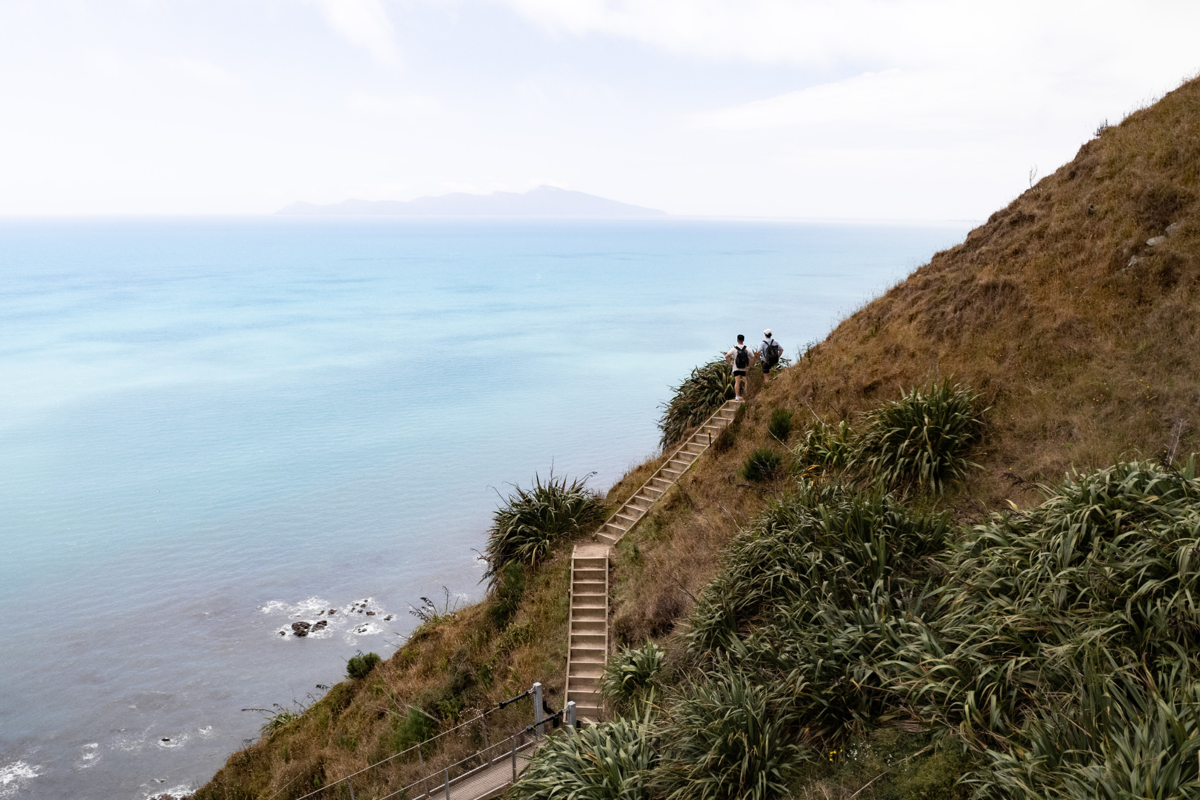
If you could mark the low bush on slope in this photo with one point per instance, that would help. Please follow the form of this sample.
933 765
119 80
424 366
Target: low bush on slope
920 442
1056 649
531 521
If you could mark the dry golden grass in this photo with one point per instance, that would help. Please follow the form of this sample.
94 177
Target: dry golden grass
1081 336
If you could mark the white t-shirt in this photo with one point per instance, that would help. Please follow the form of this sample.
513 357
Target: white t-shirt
762 348
732 356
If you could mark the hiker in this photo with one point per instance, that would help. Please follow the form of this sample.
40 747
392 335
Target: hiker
739 358
768 353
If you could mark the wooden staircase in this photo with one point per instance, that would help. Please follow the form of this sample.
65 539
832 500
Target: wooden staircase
588 623
664 478
588 647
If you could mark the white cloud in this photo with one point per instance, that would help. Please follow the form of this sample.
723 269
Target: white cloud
400 105
363 23
205 72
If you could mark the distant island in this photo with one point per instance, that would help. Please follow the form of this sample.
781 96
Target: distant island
544 201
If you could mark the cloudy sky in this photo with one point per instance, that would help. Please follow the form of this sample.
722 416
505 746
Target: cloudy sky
859 109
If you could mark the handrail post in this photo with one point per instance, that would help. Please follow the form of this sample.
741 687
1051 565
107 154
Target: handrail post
350 783
570 714
537 708
447 783
514 758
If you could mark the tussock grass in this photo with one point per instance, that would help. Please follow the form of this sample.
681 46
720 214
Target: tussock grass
695 400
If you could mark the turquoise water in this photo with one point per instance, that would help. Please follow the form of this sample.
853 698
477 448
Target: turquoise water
212 428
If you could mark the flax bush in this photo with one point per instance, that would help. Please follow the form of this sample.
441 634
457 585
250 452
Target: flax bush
632 674
610 761
1057 646
530 522
920 440
826 447
696 399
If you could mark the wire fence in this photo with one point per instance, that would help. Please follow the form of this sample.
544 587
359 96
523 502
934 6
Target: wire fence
486 773
490 768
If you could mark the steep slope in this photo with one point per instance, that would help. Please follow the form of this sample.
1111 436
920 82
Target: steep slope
1072 310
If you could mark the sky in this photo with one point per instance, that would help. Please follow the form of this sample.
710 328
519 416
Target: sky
847 109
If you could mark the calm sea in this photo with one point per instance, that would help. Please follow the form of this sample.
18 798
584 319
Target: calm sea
212 428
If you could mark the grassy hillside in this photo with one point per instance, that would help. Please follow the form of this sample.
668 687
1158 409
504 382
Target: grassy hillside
1071 313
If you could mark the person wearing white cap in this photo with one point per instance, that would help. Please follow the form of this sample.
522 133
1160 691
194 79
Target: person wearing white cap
768 353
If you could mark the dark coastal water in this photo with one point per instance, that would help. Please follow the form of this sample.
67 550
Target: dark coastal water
212 428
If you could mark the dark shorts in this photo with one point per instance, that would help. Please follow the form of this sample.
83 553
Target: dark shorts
766 369
739 373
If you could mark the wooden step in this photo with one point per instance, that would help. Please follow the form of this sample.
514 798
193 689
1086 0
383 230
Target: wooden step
580 639
590 573
589 586
585 682
589 613
599 626
589 563
584 669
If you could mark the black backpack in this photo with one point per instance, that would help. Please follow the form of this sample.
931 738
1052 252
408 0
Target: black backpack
772 351
742 359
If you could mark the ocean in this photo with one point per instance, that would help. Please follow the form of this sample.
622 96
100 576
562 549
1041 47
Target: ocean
211 428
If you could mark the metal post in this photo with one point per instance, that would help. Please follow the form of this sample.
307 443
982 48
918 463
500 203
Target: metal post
570 714
514 758
447 784
351 785
537 708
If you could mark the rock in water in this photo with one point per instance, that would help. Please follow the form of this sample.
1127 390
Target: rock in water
300 628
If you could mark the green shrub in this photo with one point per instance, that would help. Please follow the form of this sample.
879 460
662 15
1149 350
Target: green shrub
411 729
1060 643
780 425
731 736
696 399
610 761
360 666
763 465
826 447
630 675
920 440
530 522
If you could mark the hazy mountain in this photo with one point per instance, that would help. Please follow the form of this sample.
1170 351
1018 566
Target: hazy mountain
544 201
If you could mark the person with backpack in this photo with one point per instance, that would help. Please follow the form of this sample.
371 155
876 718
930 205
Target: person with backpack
769 352
739 358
